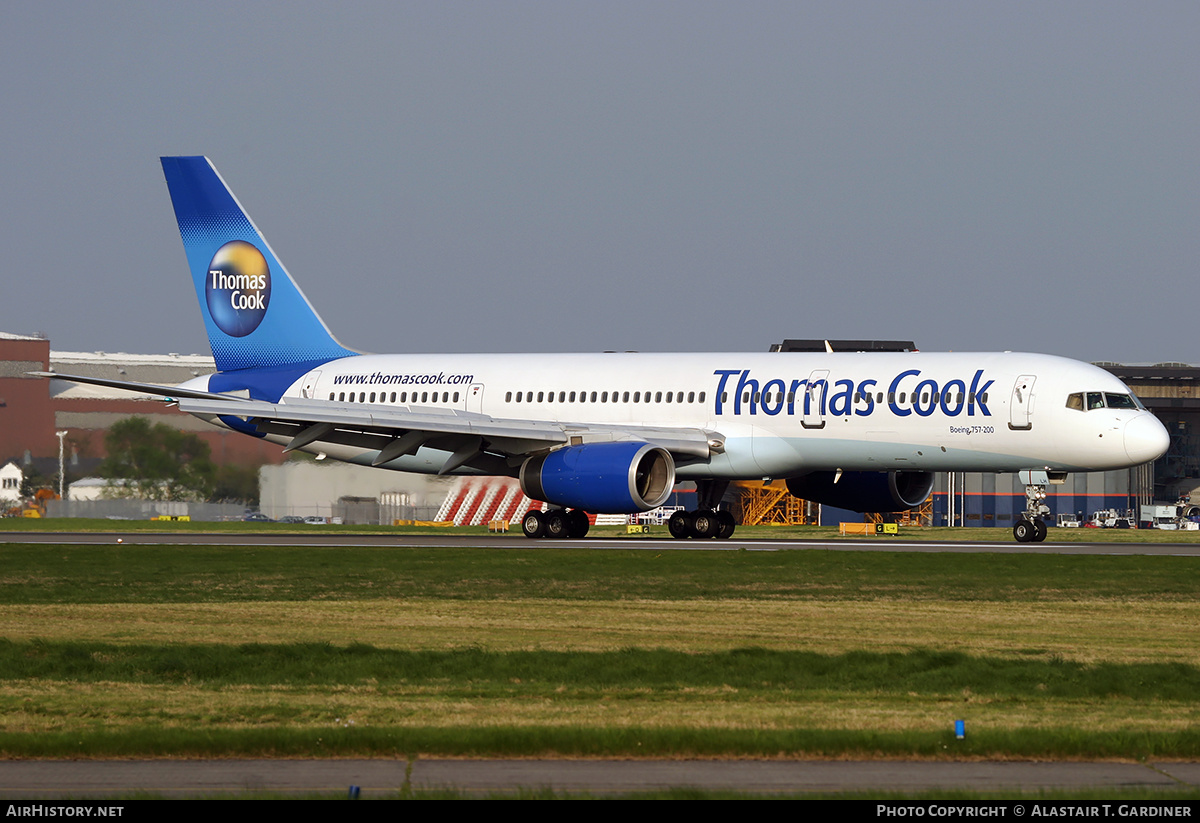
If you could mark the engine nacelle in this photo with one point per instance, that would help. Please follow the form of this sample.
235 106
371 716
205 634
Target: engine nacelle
865 491
604 478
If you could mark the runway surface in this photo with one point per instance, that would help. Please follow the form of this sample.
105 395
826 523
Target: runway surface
390 778
451 540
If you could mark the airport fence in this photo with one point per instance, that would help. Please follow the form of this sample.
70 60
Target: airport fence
144 509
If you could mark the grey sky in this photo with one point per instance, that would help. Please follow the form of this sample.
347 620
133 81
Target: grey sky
587 176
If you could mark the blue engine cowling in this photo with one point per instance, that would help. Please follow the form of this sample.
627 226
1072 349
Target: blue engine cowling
865 491
604 478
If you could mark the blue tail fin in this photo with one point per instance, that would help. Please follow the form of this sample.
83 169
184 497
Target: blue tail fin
254 312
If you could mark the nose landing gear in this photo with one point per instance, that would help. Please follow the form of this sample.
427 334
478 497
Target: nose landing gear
1030 528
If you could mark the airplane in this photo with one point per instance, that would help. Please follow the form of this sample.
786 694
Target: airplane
614 432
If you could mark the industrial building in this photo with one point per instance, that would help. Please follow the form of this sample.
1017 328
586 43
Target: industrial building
33 409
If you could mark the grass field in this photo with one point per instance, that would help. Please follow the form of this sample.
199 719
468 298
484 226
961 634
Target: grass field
130 650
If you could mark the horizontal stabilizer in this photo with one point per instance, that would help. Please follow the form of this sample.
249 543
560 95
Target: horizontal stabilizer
165 392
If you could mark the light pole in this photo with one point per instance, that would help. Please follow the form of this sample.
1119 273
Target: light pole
61 465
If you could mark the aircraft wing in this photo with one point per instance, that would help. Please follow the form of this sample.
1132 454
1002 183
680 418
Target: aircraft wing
493 445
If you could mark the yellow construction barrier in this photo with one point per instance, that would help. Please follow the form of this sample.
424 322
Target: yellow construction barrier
868 528
497 525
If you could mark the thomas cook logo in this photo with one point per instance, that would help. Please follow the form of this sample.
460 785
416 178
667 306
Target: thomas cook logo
238 288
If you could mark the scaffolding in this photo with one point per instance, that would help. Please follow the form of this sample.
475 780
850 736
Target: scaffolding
761 504
922 515
770 504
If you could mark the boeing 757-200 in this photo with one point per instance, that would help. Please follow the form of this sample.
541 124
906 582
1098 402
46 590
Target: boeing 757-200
612 433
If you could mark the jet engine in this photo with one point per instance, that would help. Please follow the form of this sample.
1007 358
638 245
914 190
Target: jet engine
864 491
606 478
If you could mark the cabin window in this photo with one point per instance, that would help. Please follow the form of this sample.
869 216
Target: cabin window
691 397
701 397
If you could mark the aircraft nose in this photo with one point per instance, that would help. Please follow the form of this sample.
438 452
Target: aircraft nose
1146 439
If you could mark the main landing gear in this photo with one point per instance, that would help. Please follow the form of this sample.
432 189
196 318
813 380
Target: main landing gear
1030 528
707 521
701 524
556 523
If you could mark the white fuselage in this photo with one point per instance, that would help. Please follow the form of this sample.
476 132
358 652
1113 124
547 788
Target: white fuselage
778 414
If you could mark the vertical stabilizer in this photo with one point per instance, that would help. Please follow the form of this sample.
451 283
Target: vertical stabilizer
254 312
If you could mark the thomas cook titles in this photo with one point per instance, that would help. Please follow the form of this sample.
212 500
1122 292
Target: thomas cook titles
238 288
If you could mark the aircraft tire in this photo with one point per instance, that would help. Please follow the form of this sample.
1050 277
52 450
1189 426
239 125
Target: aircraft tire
725 525
558 524
579 524
1039 531
680 525
533 525
704 524
1024 531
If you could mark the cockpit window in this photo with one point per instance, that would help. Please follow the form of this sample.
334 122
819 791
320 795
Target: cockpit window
1119 401
1099 400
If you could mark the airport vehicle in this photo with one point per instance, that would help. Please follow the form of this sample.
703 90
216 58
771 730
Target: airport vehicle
1180 515
1111 519
612 433
1068 521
